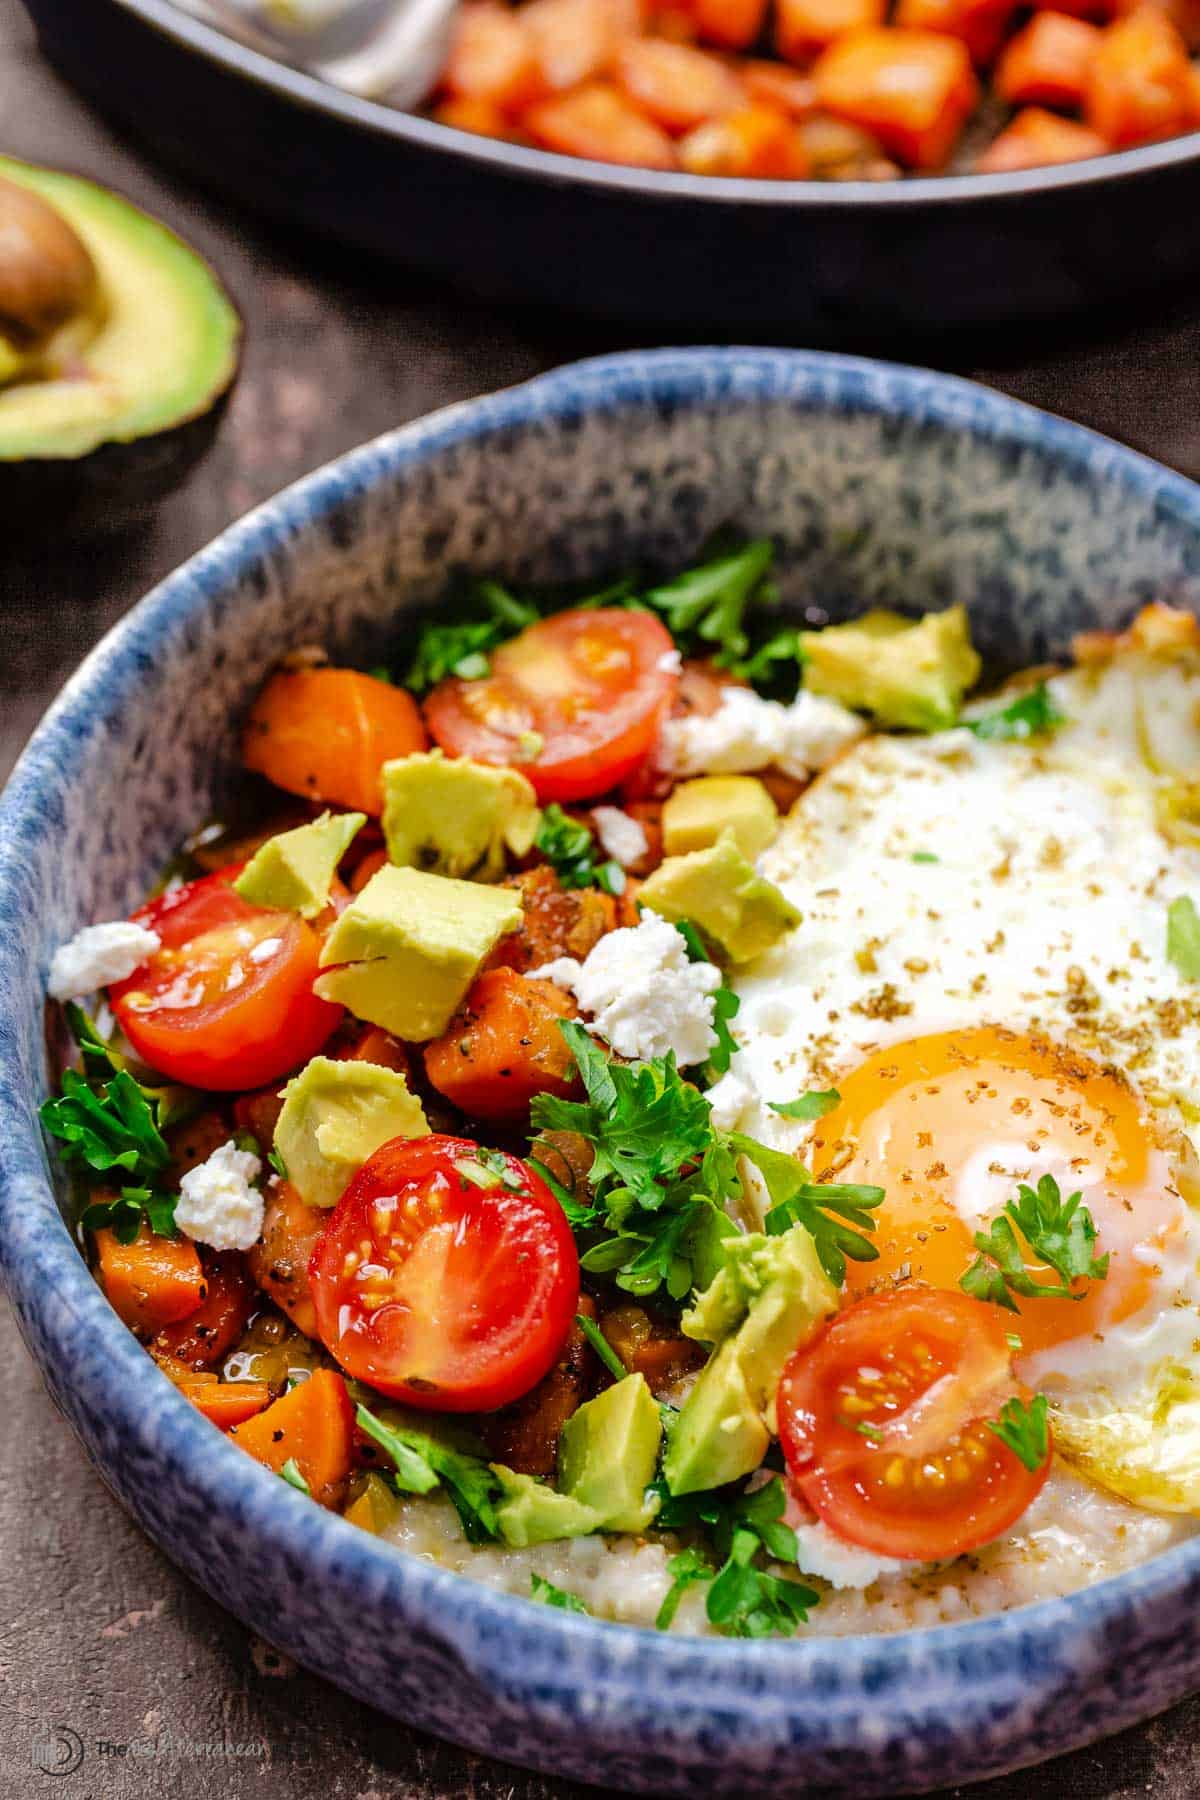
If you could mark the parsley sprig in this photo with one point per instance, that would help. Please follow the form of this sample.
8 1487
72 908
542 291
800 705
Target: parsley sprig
462 646
662 1173
110 1125
704 608
1060 1233
659 1172
744 1598
421 1463
1025 1429
838 1214
1035 714
570 849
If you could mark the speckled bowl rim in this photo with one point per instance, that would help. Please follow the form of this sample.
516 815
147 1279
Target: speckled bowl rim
48 1280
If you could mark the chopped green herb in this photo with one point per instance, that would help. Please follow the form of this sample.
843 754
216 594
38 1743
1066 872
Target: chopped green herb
497 1164
1034 714
1024 1429
705 607
812 1105
1059 1232
291 1474
570 849
763 665
420 1463
863 1428
1183 937
124 1215
476 1174
925 856
545 1591
601 1346
579 1213
462 646
796 1199
1014 1340
277 1163
685 1569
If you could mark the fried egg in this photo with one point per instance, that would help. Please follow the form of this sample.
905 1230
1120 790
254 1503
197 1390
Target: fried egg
982 975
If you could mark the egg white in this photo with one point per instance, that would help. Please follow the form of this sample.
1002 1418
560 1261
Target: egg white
950 882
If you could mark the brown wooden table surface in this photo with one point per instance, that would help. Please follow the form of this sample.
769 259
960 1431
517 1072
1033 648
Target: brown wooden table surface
98 1631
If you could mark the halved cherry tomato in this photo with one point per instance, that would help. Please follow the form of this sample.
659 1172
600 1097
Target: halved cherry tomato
447 1295
575 702
883 1421
227 1001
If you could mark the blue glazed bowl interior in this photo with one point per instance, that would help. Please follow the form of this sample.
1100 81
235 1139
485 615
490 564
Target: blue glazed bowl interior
879 485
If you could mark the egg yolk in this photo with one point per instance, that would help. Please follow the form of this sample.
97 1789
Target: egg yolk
950 1124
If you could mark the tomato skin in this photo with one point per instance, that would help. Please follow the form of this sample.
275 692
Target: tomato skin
593 685
218 1038
923 1370
464 1296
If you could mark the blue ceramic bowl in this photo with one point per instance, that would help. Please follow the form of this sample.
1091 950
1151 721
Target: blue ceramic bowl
879 483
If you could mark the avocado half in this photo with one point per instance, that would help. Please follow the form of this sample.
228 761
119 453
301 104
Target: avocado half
106 404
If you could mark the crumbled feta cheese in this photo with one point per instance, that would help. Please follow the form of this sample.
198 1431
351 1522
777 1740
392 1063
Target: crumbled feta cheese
747 732
621 837
98 955
217 1204
264 951
729 1098
821 1552
645 997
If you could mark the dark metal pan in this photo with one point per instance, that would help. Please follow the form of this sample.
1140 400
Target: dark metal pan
833 262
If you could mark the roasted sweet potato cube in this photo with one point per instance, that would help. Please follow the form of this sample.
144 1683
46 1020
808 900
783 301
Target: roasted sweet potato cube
677 86
1047 63
598 121
492 58
981 24
1139 81
913 90
756 140
1036 139
802 27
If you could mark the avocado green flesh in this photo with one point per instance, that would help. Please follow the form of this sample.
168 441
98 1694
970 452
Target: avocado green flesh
165 352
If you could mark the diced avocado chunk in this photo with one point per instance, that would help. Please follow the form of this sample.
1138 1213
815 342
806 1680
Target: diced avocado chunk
532 1513
406 949
337 1114
456 816
700 812
606 1461
720 1433
294 870
905 672
740 911
608 1452
767 1300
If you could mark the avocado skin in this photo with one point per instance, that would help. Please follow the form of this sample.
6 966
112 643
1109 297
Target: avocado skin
109 489
113 484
